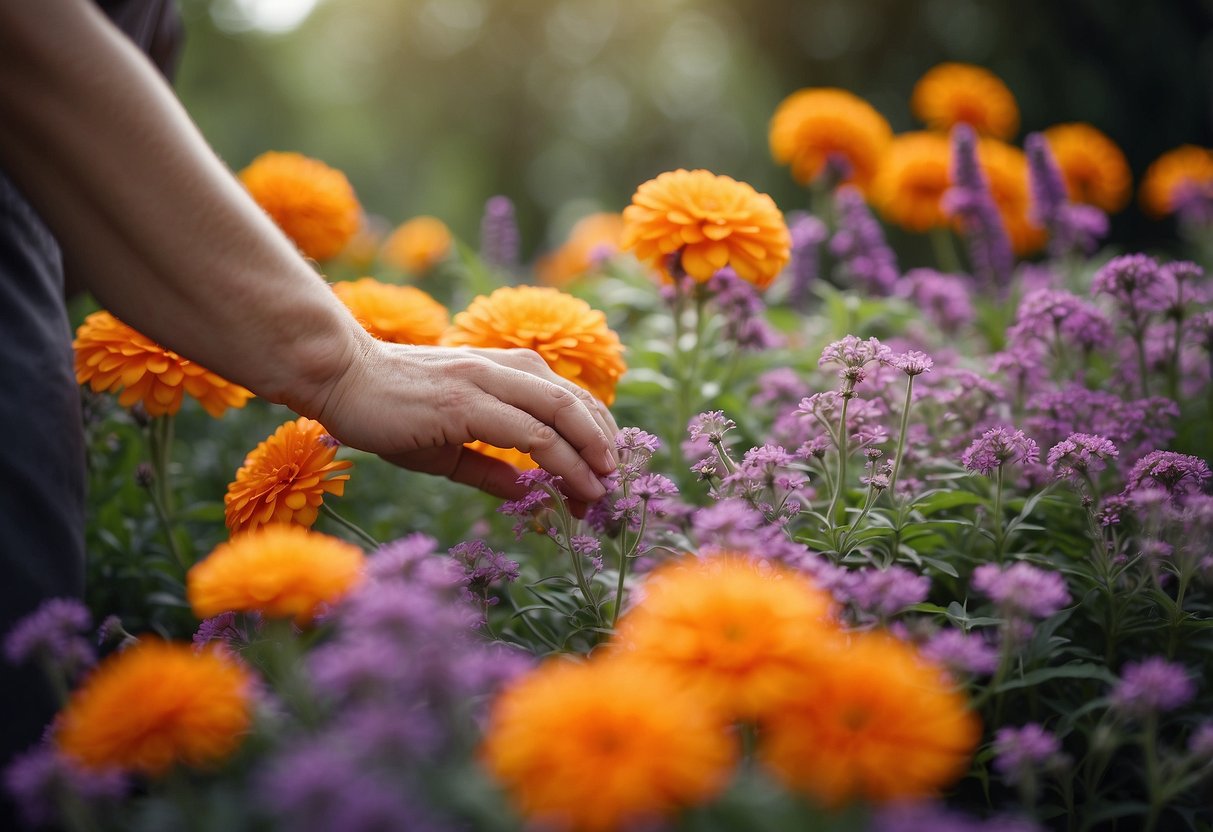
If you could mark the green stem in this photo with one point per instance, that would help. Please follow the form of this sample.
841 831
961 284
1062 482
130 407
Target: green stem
370 542
624 556
1139 342
841 484
521 616
944 248
566 530
999 531
160 445
1149 750
901 439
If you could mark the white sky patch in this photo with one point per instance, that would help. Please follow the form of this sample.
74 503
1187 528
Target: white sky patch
271 16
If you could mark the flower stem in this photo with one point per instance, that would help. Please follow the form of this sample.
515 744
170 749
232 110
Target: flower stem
370 542
160 449
841 484
998 526
901 439
944 248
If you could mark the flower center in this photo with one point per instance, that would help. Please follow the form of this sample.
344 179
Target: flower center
288 472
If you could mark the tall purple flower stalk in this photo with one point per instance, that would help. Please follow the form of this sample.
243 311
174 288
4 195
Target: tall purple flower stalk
970 200
500 241
859 243
1071 227
808 233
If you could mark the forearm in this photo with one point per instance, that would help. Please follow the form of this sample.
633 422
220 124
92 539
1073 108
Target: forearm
158 227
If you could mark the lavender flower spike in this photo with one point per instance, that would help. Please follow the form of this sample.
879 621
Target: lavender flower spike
970 200
860 244
500 243
808 233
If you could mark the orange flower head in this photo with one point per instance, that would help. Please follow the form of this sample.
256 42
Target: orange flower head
112 357
285 478
1184 170
593 239
1006 170
572 338
157 704
811 125
952 93
311 202
511 456
713 221
913 177
400 314
601 745
278 571
417 245
1093 167
735 631
873 723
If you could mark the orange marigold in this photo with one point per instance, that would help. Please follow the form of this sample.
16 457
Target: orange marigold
811 125
1006 169
712 221
284 479
601 745
951 93
1185 169
1093 167
156 704
592 239
513 456
417 245
311 202
278 571
911 182
572 337
400 314
874 722
735 631
113 357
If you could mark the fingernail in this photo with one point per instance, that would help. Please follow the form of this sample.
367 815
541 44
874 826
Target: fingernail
609 464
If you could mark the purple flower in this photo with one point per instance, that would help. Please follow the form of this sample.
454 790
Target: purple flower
733 525
54 632
970 201
998 446
1022 589
38 780
588 547
499 238
859 244
1020 752
1200 744
912 363
808 233
854 355
226 628
886 592
743 312
654 487
413 559
943 299
1176 473
928 817
779 387
483 567
1050 315
634 439
1153 685
1135 426
1080 455
1071 227
962 653
1138 286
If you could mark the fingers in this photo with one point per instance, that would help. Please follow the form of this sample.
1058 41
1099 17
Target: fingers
464 466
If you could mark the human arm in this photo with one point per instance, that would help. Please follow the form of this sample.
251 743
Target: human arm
167 239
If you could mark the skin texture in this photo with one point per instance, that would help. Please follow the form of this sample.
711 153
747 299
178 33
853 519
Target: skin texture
161 232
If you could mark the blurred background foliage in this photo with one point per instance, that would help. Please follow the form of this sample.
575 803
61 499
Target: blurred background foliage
565 106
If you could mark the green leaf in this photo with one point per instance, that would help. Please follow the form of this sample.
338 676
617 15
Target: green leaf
1068 671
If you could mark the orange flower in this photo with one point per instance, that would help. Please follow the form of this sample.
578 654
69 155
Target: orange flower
511 456
418 245
602 745
1185 169
1006 169
285 478
572 338
1093 167
874 723
913 177
111 356
736 632
592 238
400 314
952 93
311 202
811 125
713 221
278 571
156 704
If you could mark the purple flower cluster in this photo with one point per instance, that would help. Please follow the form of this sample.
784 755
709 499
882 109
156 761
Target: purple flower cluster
733 525
500 241
38 781
1152 686
53 632
1072 227
808 233
1022 589
970 201
1135 426
929 817
482 568
1050 316
944 299
859 244
962 653
854 355
1177 474
1138 286
886 592
1080 455
997 447
1020 752
742 311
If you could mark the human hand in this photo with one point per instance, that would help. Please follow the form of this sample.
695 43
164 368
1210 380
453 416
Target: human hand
416 406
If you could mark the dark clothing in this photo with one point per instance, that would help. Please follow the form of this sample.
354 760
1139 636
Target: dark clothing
42 461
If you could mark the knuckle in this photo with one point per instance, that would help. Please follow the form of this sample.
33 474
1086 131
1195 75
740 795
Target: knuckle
543 437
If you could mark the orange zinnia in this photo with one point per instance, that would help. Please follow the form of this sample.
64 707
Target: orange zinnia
602 745
1006 170
735 631
510 456
112 357
1093 167
400 314
568 334
1185 169
952 93
285 478
156 704
278 571
873 722
712 222
417 245
311 202
811 125
592 239
913 177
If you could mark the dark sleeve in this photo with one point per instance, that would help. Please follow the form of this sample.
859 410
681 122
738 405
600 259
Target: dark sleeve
155 27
